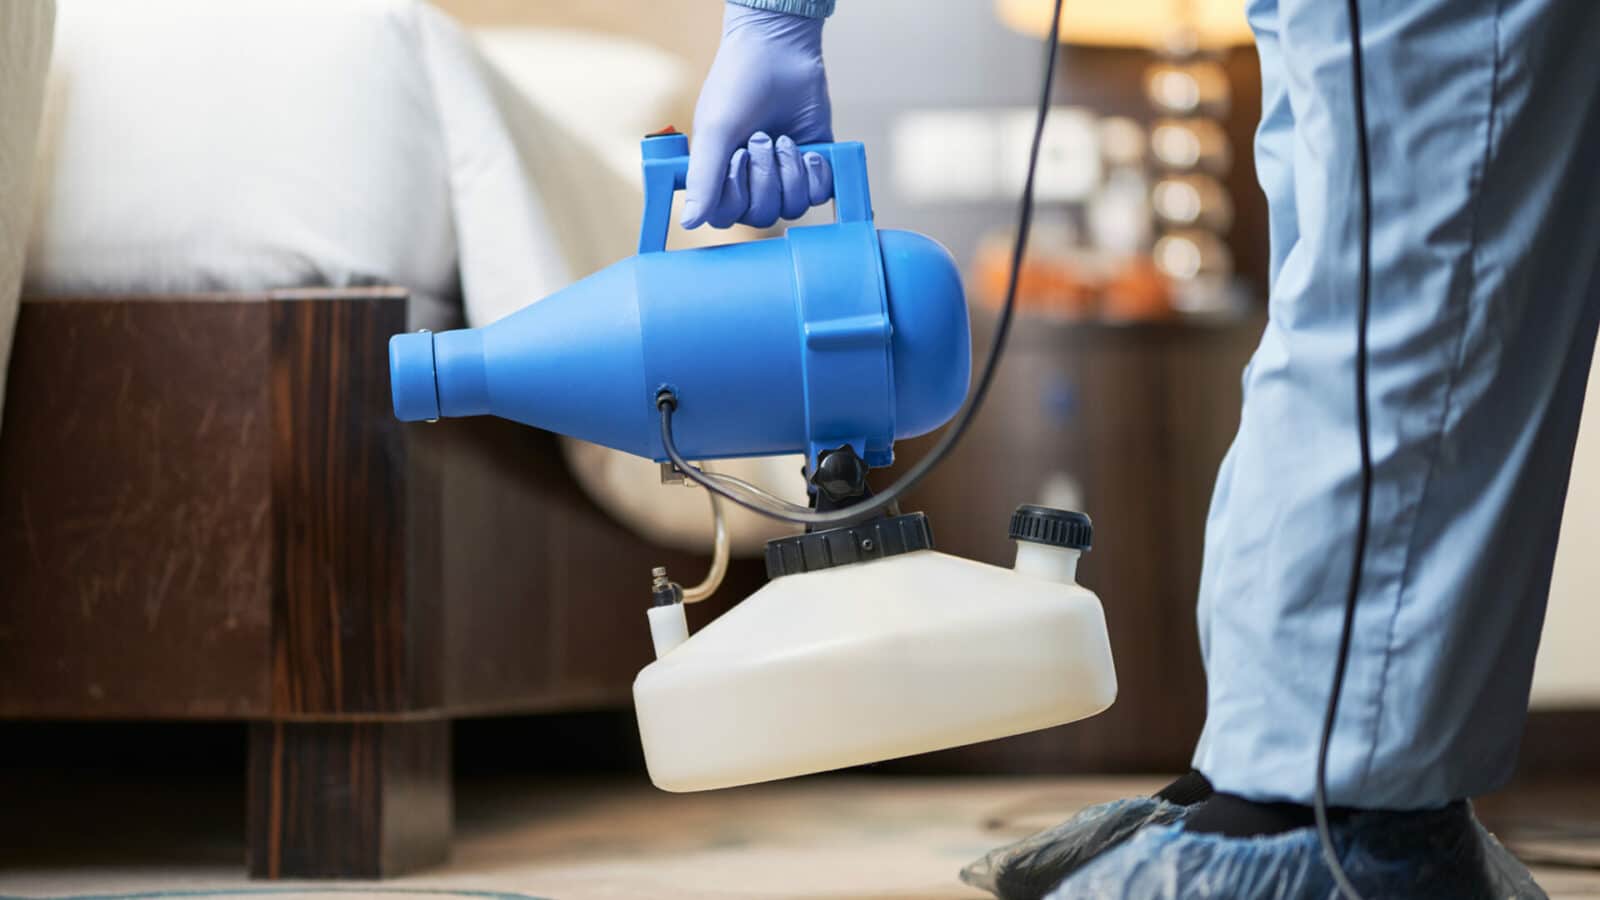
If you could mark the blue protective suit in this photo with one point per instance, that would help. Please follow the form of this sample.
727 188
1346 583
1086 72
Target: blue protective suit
1484 120
811 9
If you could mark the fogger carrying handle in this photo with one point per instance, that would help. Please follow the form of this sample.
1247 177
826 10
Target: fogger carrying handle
666 166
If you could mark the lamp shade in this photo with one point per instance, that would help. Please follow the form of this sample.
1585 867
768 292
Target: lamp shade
1132 23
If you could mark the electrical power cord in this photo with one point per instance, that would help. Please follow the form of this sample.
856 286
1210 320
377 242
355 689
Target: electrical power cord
667 401
1330 853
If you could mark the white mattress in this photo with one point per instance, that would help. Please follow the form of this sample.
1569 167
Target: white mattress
192 145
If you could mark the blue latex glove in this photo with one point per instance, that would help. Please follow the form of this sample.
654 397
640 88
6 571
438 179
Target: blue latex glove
767 80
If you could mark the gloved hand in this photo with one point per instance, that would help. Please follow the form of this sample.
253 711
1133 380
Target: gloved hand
767 80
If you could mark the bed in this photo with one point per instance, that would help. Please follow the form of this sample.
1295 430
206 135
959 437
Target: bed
207 509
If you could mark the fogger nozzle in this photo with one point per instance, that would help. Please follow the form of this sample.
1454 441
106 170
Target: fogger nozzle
438 375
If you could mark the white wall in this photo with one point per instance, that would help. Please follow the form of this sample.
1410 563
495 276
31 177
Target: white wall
1568 670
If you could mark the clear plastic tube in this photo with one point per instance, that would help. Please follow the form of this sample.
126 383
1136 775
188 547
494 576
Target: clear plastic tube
739 484
719 555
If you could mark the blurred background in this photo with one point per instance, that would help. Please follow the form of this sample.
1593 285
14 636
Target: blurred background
505 622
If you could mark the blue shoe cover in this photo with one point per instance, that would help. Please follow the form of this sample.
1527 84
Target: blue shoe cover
1033 866
1444 854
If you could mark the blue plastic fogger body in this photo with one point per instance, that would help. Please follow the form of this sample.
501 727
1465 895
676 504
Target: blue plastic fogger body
830 335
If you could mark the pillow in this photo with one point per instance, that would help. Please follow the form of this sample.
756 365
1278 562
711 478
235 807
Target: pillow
260 144
606 91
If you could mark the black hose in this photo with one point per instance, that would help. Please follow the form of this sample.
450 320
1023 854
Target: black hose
1320 801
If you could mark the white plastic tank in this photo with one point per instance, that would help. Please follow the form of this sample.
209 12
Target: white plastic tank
870 660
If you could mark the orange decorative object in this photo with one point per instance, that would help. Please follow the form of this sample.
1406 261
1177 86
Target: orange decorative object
1048 284
1072 284
1137 291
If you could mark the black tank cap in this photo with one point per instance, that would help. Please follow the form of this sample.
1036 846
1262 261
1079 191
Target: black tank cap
873 539
1056 527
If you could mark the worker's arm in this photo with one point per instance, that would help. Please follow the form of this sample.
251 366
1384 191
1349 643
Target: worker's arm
766 93
811 9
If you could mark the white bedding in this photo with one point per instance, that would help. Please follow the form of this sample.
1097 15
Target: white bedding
247 145
191 145
24 54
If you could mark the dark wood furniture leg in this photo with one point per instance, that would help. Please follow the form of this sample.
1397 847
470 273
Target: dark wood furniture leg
348 800
348 780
